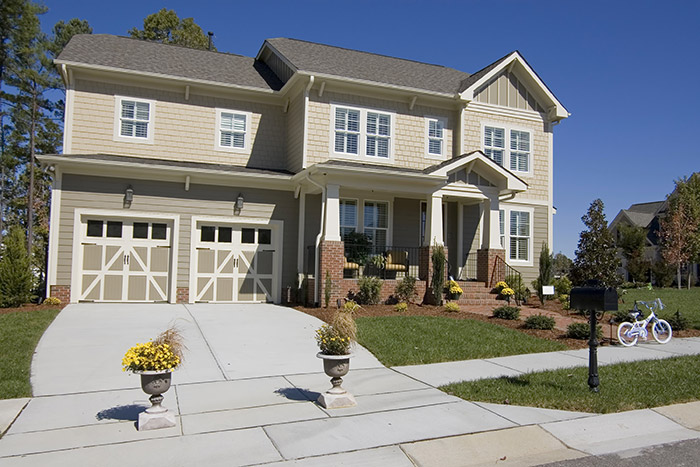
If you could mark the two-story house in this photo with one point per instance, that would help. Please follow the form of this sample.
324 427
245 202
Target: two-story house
190 175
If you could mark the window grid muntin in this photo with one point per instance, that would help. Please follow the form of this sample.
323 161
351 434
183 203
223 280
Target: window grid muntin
134 118
436 136
233 128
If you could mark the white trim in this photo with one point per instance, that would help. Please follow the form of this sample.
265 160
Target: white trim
78 236
117 120
502 111
301 232
54 223
525 201
507 210
68 116
277 227
443 145
246 149
507 128
362 155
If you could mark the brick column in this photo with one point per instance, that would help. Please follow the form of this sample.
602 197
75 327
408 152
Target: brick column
61 292
183 295
331 254
486 266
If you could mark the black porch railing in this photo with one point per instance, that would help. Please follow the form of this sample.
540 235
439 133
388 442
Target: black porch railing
387 262
502 271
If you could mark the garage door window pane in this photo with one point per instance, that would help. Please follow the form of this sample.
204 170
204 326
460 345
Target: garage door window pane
160 232
140 229
224 234
247 235
114 229
264 236
208 233
94 228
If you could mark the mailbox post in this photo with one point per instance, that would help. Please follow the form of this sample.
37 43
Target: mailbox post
593 300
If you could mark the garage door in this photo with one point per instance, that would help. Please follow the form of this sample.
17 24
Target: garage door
234 263
125 260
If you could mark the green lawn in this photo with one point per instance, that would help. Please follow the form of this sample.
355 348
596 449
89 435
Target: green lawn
623 386
410 340
687 301
19 334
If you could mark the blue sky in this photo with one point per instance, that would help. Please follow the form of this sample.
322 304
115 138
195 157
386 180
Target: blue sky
626 70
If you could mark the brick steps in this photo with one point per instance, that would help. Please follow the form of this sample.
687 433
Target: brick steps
476 293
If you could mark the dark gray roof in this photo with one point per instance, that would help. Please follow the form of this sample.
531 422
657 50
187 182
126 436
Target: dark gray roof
169 163
364 165
325 59
646 208
479 74
152 57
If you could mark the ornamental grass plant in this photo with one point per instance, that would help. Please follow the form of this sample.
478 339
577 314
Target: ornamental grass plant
338 337
165 352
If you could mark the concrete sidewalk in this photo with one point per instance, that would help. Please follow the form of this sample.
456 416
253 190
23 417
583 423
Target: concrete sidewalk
245 397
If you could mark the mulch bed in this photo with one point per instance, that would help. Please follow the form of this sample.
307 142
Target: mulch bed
30 307
325 314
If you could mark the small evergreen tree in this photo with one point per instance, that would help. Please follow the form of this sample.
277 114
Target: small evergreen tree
15 270
438 272
596 255
546 275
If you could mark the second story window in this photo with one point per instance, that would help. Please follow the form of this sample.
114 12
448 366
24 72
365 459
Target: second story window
362 133
517 156
378 134
135 117
347 130
436 138
233 130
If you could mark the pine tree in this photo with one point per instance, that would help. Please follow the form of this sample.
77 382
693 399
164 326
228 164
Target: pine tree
166 27
596 256
546 275
15 270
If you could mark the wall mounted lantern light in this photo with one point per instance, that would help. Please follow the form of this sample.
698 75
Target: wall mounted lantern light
238 206
128 196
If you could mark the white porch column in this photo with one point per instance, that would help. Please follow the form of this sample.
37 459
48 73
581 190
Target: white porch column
491 238
332 227
433 234
301 234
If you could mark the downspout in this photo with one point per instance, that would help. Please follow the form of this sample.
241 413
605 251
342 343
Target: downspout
317 264
305 142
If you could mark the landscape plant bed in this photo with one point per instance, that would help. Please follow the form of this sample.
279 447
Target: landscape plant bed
30 307
20 331
555 335
623 386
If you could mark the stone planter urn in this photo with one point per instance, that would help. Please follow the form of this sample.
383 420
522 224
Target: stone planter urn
336 366
156 416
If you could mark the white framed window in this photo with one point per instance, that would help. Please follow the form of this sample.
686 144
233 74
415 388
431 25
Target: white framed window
376 222
508 147
133 119
362 133
435 137
348 217
520 236
232 130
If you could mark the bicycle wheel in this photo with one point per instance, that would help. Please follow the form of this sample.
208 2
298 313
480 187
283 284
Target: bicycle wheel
662 331
623 336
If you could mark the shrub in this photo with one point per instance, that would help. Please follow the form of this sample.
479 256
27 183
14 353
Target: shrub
406 289
562 286
452 307
678 322
438 272
545 272
515 282
564 300
507 312
620 316
370 290
401 307
539 322
52 301
15 270
582 331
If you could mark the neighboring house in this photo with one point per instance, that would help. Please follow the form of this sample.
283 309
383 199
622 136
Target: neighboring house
191 175
646 216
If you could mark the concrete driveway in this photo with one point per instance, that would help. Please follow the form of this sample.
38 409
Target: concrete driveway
82 349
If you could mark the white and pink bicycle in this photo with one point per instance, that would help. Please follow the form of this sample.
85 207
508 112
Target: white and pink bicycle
629 333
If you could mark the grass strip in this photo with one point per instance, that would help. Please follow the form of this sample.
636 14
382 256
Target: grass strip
623 386
412 340
20 332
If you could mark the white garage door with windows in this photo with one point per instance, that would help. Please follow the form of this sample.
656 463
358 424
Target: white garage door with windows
124 259
235 262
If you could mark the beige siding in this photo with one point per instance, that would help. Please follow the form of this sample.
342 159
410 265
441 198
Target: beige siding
507 90
410 128
103 193
539 235
295 134
184 130
538 178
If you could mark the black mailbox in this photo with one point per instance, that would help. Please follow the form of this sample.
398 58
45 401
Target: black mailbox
593 299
